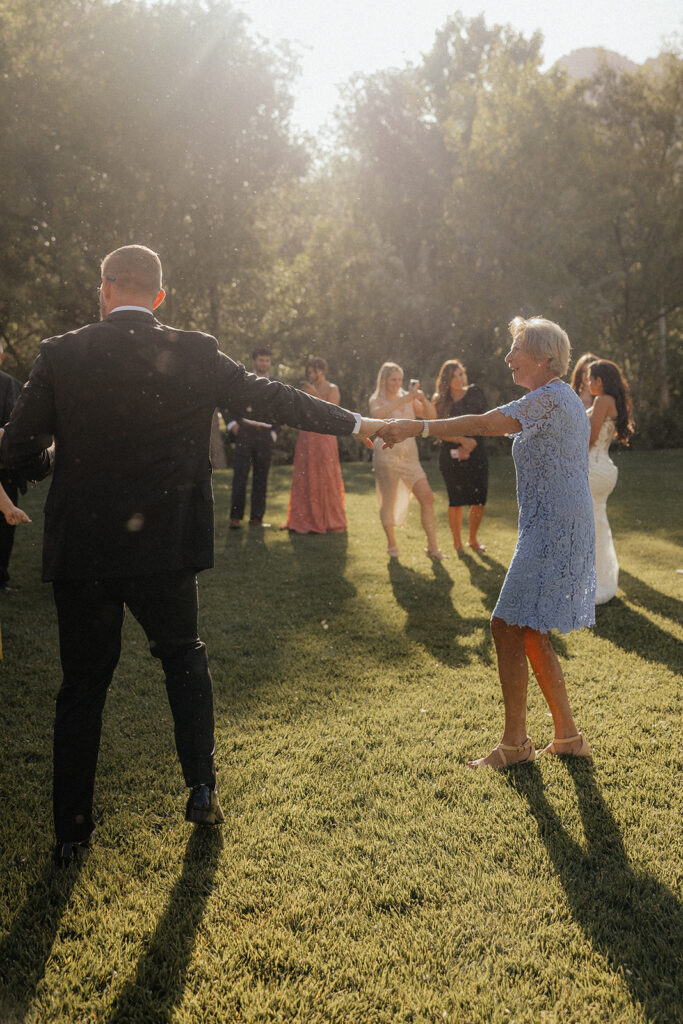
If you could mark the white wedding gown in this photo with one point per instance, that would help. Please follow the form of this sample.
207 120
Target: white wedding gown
602 477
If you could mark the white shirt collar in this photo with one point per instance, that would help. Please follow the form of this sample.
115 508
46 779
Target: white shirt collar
140 309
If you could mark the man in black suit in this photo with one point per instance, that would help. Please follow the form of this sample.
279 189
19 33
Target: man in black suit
254 443
10 480
129 515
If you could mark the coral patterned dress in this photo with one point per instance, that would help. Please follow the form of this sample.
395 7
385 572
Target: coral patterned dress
316 501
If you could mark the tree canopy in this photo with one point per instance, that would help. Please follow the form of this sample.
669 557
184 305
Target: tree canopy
459 193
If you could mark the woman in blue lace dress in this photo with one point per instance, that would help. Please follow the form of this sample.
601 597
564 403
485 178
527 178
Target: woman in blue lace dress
551 580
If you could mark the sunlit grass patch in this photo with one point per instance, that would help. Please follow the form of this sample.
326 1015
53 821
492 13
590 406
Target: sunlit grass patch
363 874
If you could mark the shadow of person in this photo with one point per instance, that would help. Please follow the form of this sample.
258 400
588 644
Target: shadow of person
617 622
432 620
646 596
159 981
26 948
630 917
486 574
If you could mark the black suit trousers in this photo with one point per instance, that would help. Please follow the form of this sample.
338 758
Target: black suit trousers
90 615
253 448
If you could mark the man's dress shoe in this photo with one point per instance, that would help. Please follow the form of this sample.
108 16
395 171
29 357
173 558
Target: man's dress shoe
203 807
66 853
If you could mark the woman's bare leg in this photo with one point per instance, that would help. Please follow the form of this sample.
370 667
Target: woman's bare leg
513 672
548 672
425 496
391 536
455 523
476 516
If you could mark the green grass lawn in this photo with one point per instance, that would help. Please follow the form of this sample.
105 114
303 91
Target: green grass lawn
364 874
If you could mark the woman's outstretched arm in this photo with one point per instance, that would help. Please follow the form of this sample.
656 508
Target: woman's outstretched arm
492 424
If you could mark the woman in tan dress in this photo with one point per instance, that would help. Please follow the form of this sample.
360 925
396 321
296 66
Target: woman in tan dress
398 472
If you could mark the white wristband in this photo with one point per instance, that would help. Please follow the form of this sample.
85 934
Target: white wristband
425 428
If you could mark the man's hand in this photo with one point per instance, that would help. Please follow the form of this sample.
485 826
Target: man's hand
394 431
368 427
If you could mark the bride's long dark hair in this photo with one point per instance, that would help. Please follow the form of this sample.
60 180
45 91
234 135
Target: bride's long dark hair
614 384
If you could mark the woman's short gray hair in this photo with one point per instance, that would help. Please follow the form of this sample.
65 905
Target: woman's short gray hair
543 339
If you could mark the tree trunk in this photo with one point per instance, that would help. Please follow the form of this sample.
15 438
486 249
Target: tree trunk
664 396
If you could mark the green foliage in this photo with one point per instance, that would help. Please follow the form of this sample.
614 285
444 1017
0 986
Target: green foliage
475 187
159 123
364 873
459 193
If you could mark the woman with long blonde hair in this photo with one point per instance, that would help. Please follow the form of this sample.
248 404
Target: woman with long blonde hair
398 473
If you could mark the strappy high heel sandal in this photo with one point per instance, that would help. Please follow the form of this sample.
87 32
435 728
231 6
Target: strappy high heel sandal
556 747
504 754
436 556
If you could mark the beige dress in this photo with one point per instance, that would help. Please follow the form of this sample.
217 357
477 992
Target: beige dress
397 470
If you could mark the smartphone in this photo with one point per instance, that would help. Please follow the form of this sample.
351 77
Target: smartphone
414 384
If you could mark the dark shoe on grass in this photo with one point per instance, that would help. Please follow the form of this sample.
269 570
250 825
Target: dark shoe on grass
203 807
66 853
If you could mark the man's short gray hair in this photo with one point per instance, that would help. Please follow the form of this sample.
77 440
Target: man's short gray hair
134 268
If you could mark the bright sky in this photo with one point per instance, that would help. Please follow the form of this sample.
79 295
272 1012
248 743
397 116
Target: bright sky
337 38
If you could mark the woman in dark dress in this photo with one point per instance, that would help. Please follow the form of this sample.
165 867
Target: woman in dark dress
462 460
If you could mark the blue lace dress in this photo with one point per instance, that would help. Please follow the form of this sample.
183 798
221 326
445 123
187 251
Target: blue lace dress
551 580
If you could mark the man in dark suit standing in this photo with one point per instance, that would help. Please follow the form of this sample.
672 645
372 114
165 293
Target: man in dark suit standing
129 515
10 479
254 443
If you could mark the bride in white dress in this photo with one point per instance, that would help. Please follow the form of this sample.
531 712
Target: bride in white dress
610 417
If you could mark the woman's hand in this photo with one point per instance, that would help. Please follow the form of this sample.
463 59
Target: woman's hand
14 515
422 406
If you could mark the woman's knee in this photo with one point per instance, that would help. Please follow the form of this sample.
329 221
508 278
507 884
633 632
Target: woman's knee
506 635
425 495
500 630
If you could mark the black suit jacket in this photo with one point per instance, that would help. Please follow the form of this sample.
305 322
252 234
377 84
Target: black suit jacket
130 403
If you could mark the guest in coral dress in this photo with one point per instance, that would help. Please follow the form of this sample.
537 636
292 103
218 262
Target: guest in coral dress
316 502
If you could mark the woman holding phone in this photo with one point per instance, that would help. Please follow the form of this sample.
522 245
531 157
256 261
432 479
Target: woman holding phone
398 472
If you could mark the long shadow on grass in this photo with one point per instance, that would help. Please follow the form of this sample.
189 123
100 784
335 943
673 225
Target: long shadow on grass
633 632
432 620
634 920
486 574
646 596
159 981
26 948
